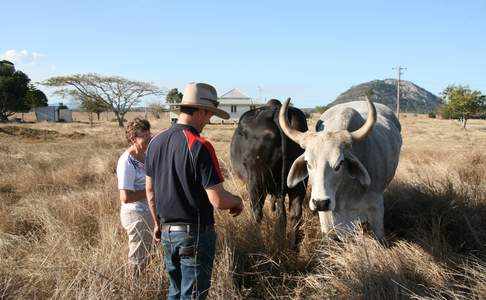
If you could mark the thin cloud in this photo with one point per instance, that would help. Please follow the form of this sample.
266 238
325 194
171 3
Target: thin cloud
21 56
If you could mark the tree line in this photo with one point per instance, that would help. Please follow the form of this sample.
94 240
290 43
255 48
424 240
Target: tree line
96 93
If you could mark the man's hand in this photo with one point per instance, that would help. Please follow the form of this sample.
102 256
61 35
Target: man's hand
149 190
236 211
157 233
222 199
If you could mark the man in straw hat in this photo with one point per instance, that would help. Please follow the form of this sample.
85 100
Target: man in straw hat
184 184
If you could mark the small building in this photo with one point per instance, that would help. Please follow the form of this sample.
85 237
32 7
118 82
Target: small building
235 103
53 113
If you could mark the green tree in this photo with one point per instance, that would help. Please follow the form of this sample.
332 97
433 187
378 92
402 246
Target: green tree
445 112
118 93
482 113
93 106
173 96
321 109
35 97
13 88
462 102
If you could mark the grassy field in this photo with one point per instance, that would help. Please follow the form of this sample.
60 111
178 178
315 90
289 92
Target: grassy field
61 238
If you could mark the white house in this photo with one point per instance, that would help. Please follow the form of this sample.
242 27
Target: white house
234 102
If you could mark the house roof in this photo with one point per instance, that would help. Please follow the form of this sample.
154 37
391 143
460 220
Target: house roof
241 102
234 94
237 97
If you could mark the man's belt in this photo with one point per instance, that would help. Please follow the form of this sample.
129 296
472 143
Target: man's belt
186 227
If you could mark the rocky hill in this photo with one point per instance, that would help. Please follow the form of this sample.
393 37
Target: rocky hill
412 97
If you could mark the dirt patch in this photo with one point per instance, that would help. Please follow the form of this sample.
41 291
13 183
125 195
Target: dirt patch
74 135
28 132
43 134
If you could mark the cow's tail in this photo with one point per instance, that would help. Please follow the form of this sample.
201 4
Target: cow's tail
283 139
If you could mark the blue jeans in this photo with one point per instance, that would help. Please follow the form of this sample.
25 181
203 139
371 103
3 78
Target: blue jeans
189 262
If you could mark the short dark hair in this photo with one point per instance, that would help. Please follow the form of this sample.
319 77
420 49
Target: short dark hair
136 126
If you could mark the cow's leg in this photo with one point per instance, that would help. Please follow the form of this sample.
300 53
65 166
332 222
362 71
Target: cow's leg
296 198
280 228
375 218
281 225
257 197
273 201
281 213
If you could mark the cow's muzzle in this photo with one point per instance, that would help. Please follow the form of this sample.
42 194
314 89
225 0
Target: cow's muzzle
321 204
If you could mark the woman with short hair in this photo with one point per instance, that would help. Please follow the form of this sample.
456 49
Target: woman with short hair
134 212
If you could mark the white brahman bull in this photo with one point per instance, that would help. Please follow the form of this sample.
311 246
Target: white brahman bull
350 162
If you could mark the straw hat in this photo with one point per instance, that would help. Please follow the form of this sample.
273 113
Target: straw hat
202 95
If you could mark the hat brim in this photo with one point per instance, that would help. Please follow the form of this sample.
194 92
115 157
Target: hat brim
216 111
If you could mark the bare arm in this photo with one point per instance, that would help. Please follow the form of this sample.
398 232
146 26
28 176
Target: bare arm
128 196
222 199
149 189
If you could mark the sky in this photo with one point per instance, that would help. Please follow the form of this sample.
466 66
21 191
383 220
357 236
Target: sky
310 51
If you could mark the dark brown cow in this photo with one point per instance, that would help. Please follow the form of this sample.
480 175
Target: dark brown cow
262 155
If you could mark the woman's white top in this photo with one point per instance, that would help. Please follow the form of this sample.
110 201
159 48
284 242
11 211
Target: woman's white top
131 176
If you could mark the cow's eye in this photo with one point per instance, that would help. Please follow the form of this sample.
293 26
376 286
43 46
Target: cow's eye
338 166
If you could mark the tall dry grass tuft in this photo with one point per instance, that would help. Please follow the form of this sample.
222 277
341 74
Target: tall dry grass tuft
443 214
255 260
58 215
361 268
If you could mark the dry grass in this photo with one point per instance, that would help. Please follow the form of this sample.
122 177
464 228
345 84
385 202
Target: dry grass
60 235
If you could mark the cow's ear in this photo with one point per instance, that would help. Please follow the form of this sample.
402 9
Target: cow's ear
298 172
356 169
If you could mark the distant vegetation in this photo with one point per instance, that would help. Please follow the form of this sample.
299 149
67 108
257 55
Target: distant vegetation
117 93
155 109
173 96
462 103
92 106
321 109
16 92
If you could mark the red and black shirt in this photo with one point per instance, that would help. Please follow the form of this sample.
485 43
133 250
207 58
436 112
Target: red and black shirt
182 165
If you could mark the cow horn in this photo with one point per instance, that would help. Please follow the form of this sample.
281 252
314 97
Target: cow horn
361 133
293 134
